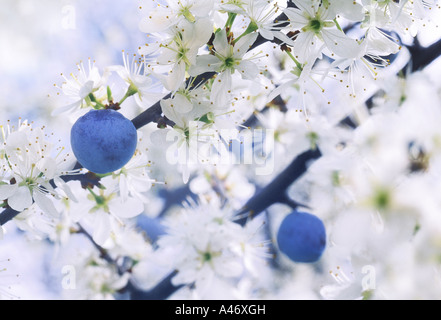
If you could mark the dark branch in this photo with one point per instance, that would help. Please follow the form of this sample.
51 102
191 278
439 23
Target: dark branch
175 197
7 215
423 56
154 113
103 252
275 192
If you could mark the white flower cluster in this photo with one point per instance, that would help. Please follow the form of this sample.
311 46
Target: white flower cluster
31 167
34 175
242 86
207 248
91 88
383 187
349 42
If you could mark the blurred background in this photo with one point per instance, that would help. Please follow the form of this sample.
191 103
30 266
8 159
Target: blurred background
41 39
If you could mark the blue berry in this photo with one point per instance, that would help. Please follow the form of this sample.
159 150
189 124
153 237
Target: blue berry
302 237
103 141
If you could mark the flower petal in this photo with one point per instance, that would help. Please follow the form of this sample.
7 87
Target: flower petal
176 77
306 6
65 187
220 92
21 199
341 44
44 203
221 44
204 63
182 104
7 190
102 229
66 108
126 209
86 89
48 167
244 44
248 70
158 21
202 8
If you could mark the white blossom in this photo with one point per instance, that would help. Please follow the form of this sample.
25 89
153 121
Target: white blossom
179 52
139 82
228 58
78 87
167 15
29 165
316 27
206 245
95 279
